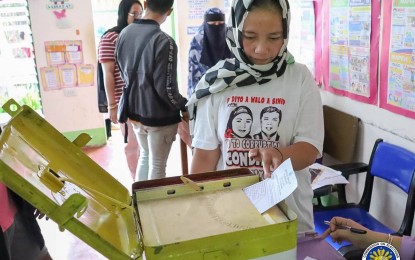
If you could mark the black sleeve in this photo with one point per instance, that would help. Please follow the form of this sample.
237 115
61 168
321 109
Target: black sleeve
165 72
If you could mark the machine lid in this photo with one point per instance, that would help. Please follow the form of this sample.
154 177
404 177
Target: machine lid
54 175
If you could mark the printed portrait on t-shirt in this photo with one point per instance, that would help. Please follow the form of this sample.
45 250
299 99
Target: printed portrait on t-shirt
251 122
239 123
270 118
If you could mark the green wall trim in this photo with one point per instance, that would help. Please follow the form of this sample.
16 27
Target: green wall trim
99 136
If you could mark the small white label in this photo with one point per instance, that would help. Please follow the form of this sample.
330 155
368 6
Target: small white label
69 92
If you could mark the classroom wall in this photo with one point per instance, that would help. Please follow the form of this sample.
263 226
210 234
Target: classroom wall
71 110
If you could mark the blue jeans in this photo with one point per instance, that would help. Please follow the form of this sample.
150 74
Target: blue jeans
155 145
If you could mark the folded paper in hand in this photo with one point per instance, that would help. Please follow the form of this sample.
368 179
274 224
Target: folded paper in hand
322 175
267 193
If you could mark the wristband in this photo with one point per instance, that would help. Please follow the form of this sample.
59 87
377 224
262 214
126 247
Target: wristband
390 239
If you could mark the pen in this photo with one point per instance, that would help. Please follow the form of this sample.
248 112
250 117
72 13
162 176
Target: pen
354 230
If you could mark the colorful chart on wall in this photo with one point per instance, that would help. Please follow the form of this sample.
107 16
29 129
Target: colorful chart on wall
302 33
397 68
351 48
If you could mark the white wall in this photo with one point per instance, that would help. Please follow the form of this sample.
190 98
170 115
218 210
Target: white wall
73 109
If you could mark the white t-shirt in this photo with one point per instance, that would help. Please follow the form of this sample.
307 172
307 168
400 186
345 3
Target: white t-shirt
232 119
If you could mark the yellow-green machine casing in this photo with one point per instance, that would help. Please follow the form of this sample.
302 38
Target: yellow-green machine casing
204 216
211 218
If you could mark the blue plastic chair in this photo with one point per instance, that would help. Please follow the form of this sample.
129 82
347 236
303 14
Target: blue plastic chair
392 163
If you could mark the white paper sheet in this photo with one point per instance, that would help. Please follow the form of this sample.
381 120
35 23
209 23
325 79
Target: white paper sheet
269 192
322 175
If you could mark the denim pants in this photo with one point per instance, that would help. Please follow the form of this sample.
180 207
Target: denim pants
155 145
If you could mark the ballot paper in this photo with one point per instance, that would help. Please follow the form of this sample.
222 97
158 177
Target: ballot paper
322 175
267 193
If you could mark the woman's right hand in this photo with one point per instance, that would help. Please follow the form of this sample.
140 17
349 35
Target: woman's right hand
271 158
339 234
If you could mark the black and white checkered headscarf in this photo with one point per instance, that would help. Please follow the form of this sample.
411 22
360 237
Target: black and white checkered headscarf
239 72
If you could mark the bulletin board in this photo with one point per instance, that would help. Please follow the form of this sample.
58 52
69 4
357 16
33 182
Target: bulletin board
351 48
65 66
397 68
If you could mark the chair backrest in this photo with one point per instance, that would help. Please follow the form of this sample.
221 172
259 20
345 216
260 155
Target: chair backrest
396 165
340 134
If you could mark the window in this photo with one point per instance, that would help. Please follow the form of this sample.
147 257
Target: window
18 74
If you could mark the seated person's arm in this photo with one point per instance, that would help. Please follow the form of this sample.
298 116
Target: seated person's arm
360 240
204 160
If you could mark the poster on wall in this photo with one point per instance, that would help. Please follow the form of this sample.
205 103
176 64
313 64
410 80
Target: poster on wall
397 68
302 33
73 52
85 74
65 66
67 75
197 9
55 52
350 48
58 8
50 78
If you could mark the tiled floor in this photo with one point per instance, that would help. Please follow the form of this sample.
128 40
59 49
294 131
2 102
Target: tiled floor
65 246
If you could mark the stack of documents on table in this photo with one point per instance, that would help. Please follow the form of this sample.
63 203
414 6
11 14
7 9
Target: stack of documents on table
322 175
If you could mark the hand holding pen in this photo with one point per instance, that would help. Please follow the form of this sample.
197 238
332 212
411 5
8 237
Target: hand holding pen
352 229
342 229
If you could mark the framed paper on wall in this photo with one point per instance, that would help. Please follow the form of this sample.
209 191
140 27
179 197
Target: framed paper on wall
351 47
50 78
397 68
